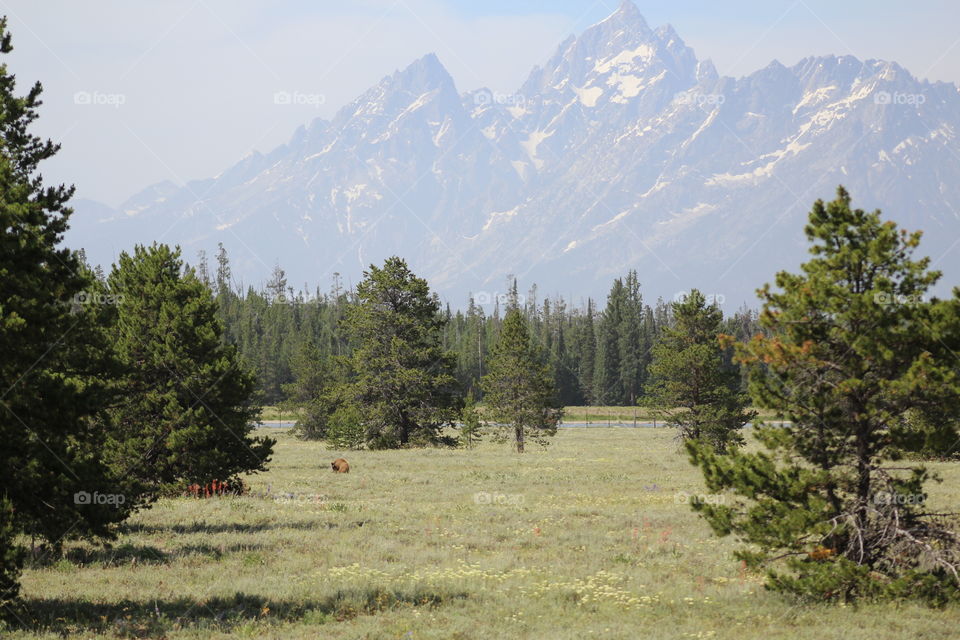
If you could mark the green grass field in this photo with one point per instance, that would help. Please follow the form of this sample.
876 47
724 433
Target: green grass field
570 414
626 414
273 412
583 539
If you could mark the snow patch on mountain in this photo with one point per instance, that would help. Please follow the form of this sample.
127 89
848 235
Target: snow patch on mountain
588 96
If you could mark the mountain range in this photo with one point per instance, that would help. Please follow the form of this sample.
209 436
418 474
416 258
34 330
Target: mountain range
623 151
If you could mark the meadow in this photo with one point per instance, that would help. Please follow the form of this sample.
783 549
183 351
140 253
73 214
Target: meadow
589 537
592 414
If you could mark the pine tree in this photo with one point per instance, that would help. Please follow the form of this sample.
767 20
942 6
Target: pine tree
661 316
277 285
588 360
311 392
11 557
513 296
403 382
852 347
470 422
278 336
345 428
630 341
187 408
690 388
518 389
471 348
562 361
935 432
608 387
224 277
54 361
649 334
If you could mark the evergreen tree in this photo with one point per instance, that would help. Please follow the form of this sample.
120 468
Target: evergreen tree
311 392
403 382
649 335
11 557
470 422
203 269
187 408
633 354
935 432
277 285
224 277
277 338
471 347
562 361
588 350
742 326
852 347
513 296
690 388
661 316
519 392
54 358
608 387
345 428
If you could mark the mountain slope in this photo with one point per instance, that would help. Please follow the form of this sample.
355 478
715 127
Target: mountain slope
622 151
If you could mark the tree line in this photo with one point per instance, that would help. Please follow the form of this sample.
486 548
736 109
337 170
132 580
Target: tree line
597 355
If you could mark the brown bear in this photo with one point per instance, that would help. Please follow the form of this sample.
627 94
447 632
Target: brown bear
340 466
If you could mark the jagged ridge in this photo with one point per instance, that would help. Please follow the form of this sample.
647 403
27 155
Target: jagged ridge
622 151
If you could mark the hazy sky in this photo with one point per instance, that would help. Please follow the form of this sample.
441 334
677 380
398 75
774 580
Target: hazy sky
140 91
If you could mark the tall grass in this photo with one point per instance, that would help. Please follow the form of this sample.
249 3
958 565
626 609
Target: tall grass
588 538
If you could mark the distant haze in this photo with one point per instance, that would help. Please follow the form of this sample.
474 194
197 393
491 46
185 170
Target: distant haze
623 150
181 89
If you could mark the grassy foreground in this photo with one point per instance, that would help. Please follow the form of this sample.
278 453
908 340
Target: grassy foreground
587 538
